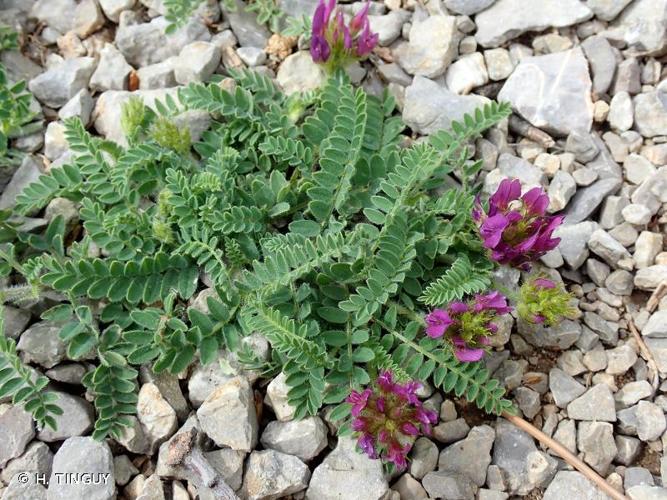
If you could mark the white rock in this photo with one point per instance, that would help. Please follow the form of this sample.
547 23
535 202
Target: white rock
432 47
113 8
507 19
304 438
498 63
55 143
651 113
298 73
81 106
16 431
272 475
252 56
196 62
466 73
636 214
621 111
57 14
647 247
59 84
157 417
539 93
650 277
596 441
276 398
656 326
650 421
642 25
112 71
88 18
561 190
637 169
158 76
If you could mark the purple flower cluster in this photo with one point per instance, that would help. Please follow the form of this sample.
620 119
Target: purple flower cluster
388 417
467 325
516 228
337 44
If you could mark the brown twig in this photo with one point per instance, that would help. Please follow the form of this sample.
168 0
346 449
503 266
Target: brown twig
183 451
566 455
656 296
646 354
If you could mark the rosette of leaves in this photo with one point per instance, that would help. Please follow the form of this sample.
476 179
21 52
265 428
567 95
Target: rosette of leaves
311 223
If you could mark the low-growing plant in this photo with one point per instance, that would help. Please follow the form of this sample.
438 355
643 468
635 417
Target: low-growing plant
315 227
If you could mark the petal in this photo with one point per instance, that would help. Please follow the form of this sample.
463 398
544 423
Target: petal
467 355
457 307
536 201
360 18
492 230
544 283
508 190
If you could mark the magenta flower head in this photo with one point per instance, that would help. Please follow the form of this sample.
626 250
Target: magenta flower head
467 326
388 417
335 44
516 228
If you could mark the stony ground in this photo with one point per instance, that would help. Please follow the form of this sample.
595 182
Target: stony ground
586 82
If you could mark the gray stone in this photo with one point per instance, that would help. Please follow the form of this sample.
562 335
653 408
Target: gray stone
423 457
158 76
584 176
541 468
620 359
650 421
59 84
346 473
448 485
507 19
271 475
152 489
635 476
467 73
539 94
388 27
561 189
573 241
16 431
37 458
621 112
601 57
196 62
627 77
650 277
81 106
596 441
57 14
113 8
409 488
632 392
637 169
251 56
298 73
566 434
245 26
528 400
156 415
510 166
563 387
498 64
147 43
40 344
19 490
298 8
573 486
646 492
77 418
595 404
639 215
123 469
471 456
112 72
55 143
510 450
619 282
229 464
430 107
168 385
582 146
432 47
628 449
304 438
651 113
15 321
228 415
76 455
276 398
449 432
588 199
656 326
642 26
163 469
607 10
604 245
467 7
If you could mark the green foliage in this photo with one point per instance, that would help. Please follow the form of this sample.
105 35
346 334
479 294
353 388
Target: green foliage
311 224
267 13
23 385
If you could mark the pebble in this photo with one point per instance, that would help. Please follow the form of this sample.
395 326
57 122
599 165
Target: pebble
596 441
196 62
641 26
245 26
566 434
650 421
228 415
498 63
423 457
40 344
650 277
252 56
432 47
229 464
304 439
574 486
467 73
16 431
81 106
656 326
298 73
113 8
471 456
56 86
510 450
77 418
621 112
637 169
158 76
605 246
79 454
409 488
597 403
276 398
271 475
443 484
561 190
346 473
156 415
112 71
650 113
602 59
449 432
628 449
636 214
588 199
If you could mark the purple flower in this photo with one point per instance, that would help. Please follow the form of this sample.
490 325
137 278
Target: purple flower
391 419
544 283
467 326
515 228
335 44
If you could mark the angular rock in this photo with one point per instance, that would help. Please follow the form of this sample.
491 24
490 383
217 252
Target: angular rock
59 84
196 62
229 464
646 492
586 200
346 473
16 431
19 490
510 450
304 438
573 241
650 115
539 94
471 456
498 63
271 475
466 73
423 457
88 18
561 189
298 73
601 57
595 404
650 277
37 458
632 392
147 43
112 71
76 455
156 415
620 359
388 27
642 25
628 449
430 107
81 106
408 487
650 421
656 326
245 26
77 418
444 484
449 432
113 8
563 387
40 344
621 112
57 14
604 245
507 19
158 76
596 441
228 415
432 47
468 7
573 486
276 398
